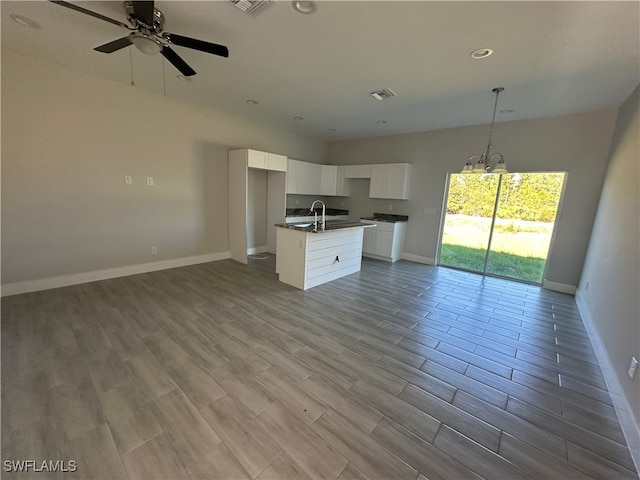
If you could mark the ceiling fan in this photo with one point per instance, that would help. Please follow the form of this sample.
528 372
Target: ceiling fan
148 35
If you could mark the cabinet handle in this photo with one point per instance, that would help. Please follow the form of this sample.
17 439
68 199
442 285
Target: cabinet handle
338 258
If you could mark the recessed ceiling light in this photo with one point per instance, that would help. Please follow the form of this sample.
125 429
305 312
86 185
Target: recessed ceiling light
184 79
24 21
481 53
298 118
506 111
252 102
381 122
305 7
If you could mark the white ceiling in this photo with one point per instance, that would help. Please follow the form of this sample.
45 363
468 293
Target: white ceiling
553 58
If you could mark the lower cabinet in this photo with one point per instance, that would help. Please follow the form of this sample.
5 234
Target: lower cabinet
306 259
384 241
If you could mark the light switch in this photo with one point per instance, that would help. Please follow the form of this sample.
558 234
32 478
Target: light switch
128 180
150 181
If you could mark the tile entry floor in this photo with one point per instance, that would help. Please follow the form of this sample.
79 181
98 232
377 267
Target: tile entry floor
219 371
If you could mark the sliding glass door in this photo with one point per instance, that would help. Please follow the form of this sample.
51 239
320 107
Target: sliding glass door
500 224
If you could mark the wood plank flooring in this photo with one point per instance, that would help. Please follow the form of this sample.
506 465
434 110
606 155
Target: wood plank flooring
219 371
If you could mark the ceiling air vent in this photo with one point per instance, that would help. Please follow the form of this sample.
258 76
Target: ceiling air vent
383 94
250 6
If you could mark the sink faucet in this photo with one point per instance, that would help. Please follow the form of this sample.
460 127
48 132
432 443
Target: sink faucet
315 214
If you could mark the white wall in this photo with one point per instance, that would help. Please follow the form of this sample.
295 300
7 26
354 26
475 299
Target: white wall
609 290
68 140
577 143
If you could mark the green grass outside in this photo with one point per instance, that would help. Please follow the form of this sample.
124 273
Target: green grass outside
500 263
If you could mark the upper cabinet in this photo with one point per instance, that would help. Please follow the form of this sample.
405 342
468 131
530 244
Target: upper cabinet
303 178
265 160
390 180
387 180
328 180
357 171
343 186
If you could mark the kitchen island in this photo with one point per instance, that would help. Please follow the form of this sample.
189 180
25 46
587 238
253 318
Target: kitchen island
307 257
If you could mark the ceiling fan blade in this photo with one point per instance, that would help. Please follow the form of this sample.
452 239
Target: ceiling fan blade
114 46
143 11
177 62
89 12
200 45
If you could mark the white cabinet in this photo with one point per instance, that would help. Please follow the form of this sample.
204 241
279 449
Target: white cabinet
303 178
390 180
265 160
385 241
307 259
343 185
276 162
328 180
357 171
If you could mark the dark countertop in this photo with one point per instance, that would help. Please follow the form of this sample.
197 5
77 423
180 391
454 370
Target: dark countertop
332 225
305 212
387 217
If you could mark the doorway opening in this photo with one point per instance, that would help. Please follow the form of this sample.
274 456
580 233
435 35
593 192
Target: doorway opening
500 224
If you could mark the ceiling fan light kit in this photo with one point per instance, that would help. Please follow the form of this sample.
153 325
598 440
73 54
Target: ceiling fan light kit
483 163
146 27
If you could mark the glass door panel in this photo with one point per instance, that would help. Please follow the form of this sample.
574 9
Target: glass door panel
467 224
525 216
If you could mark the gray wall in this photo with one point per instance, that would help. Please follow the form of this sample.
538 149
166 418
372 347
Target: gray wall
68 140
577 143
609 290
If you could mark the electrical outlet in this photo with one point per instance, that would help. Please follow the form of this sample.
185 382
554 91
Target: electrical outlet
390 207
154 250
150 181
633 367
128 180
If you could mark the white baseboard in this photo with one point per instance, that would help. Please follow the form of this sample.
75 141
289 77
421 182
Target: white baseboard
86 277
559 287
627 421
254 250
418 259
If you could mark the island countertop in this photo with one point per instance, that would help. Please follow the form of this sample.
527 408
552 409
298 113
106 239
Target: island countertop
331 226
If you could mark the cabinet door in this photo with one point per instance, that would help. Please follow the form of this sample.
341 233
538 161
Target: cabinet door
293 176
390 181
343 184
357 171
383 243
369 240
257 159
311 175
328 179
398 179
277 162
377 187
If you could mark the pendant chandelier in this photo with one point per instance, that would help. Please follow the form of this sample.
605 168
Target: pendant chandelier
483 163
